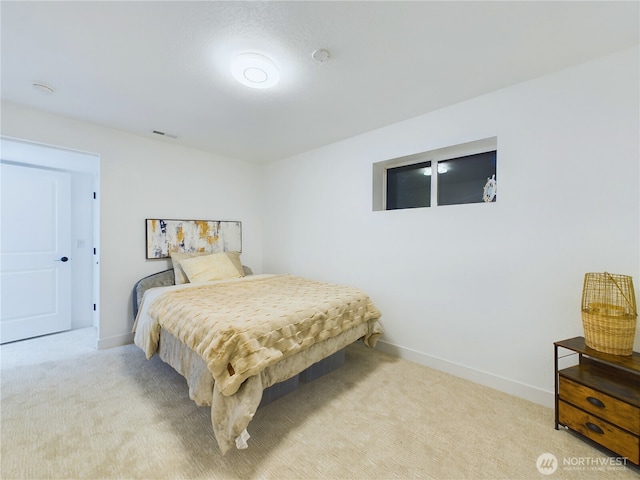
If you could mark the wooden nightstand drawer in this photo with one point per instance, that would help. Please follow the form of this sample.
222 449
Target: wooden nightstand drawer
607 435
598 396
601 405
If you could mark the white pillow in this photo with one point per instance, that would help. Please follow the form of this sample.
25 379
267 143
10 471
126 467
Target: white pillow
206 268
178 272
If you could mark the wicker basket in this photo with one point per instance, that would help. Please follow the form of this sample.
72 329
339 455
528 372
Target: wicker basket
609 313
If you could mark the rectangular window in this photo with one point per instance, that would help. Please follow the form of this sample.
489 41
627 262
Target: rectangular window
465 173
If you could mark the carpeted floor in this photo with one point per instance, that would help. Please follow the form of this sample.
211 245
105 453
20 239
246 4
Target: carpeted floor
69 411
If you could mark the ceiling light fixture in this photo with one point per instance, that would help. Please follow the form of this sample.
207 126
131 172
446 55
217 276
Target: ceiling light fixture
255 70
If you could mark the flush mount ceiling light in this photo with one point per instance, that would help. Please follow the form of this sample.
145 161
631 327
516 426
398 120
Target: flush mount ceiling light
255 70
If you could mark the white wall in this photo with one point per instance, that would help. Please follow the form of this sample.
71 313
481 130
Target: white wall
82 250
479 290
146 178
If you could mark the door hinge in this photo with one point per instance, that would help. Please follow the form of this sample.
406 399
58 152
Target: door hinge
94 195
94 250
94 307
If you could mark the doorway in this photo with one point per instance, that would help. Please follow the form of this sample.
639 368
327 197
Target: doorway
38 294
36 252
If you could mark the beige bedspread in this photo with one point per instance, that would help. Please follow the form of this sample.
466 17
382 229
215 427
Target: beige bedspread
250 334
240 328
231 415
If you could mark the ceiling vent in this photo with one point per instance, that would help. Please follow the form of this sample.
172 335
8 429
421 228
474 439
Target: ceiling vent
157 132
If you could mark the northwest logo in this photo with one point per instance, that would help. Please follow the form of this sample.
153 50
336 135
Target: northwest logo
547 463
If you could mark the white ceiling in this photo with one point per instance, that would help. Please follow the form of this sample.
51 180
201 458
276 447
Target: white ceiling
144 66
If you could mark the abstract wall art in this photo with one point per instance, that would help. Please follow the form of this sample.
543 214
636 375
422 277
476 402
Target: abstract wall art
210 236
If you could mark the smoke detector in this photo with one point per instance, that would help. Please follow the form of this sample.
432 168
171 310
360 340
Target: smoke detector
321 55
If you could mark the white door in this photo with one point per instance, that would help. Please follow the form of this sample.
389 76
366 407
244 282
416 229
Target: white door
35 248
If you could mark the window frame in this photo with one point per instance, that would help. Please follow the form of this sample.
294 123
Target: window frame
379 173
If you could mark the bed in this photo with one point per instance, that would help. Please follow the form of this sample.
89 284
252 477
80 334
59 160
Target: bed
249 339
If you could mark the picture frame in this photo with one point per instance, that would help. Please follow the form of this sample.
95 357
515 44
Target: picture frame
164 236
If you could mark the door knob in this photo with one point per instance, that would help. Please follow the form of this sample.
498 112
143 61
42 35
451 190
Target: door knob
63 259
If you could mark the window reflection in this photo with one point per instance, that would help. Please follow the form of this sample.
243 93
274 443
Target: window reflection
465 178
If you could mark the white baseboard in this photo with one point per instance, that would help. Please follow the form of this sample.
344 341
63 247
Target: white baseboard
487 379
116 341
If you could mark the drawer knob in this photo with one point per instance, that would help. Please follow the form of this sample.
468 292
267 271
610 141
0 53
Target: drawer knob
595 402
594 428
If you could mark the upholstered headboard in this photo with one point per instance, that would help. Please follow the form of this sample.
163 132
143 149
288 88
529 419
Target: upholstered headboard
160 279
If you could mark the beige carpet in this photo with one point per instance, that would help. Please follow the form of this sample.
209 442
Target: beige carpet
74 412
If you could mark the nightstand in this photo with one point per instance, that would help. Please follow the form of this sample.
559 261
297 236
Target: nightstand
599 397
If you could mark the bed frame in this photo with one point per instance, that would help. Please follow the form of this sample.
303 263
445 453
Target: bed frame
328 364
